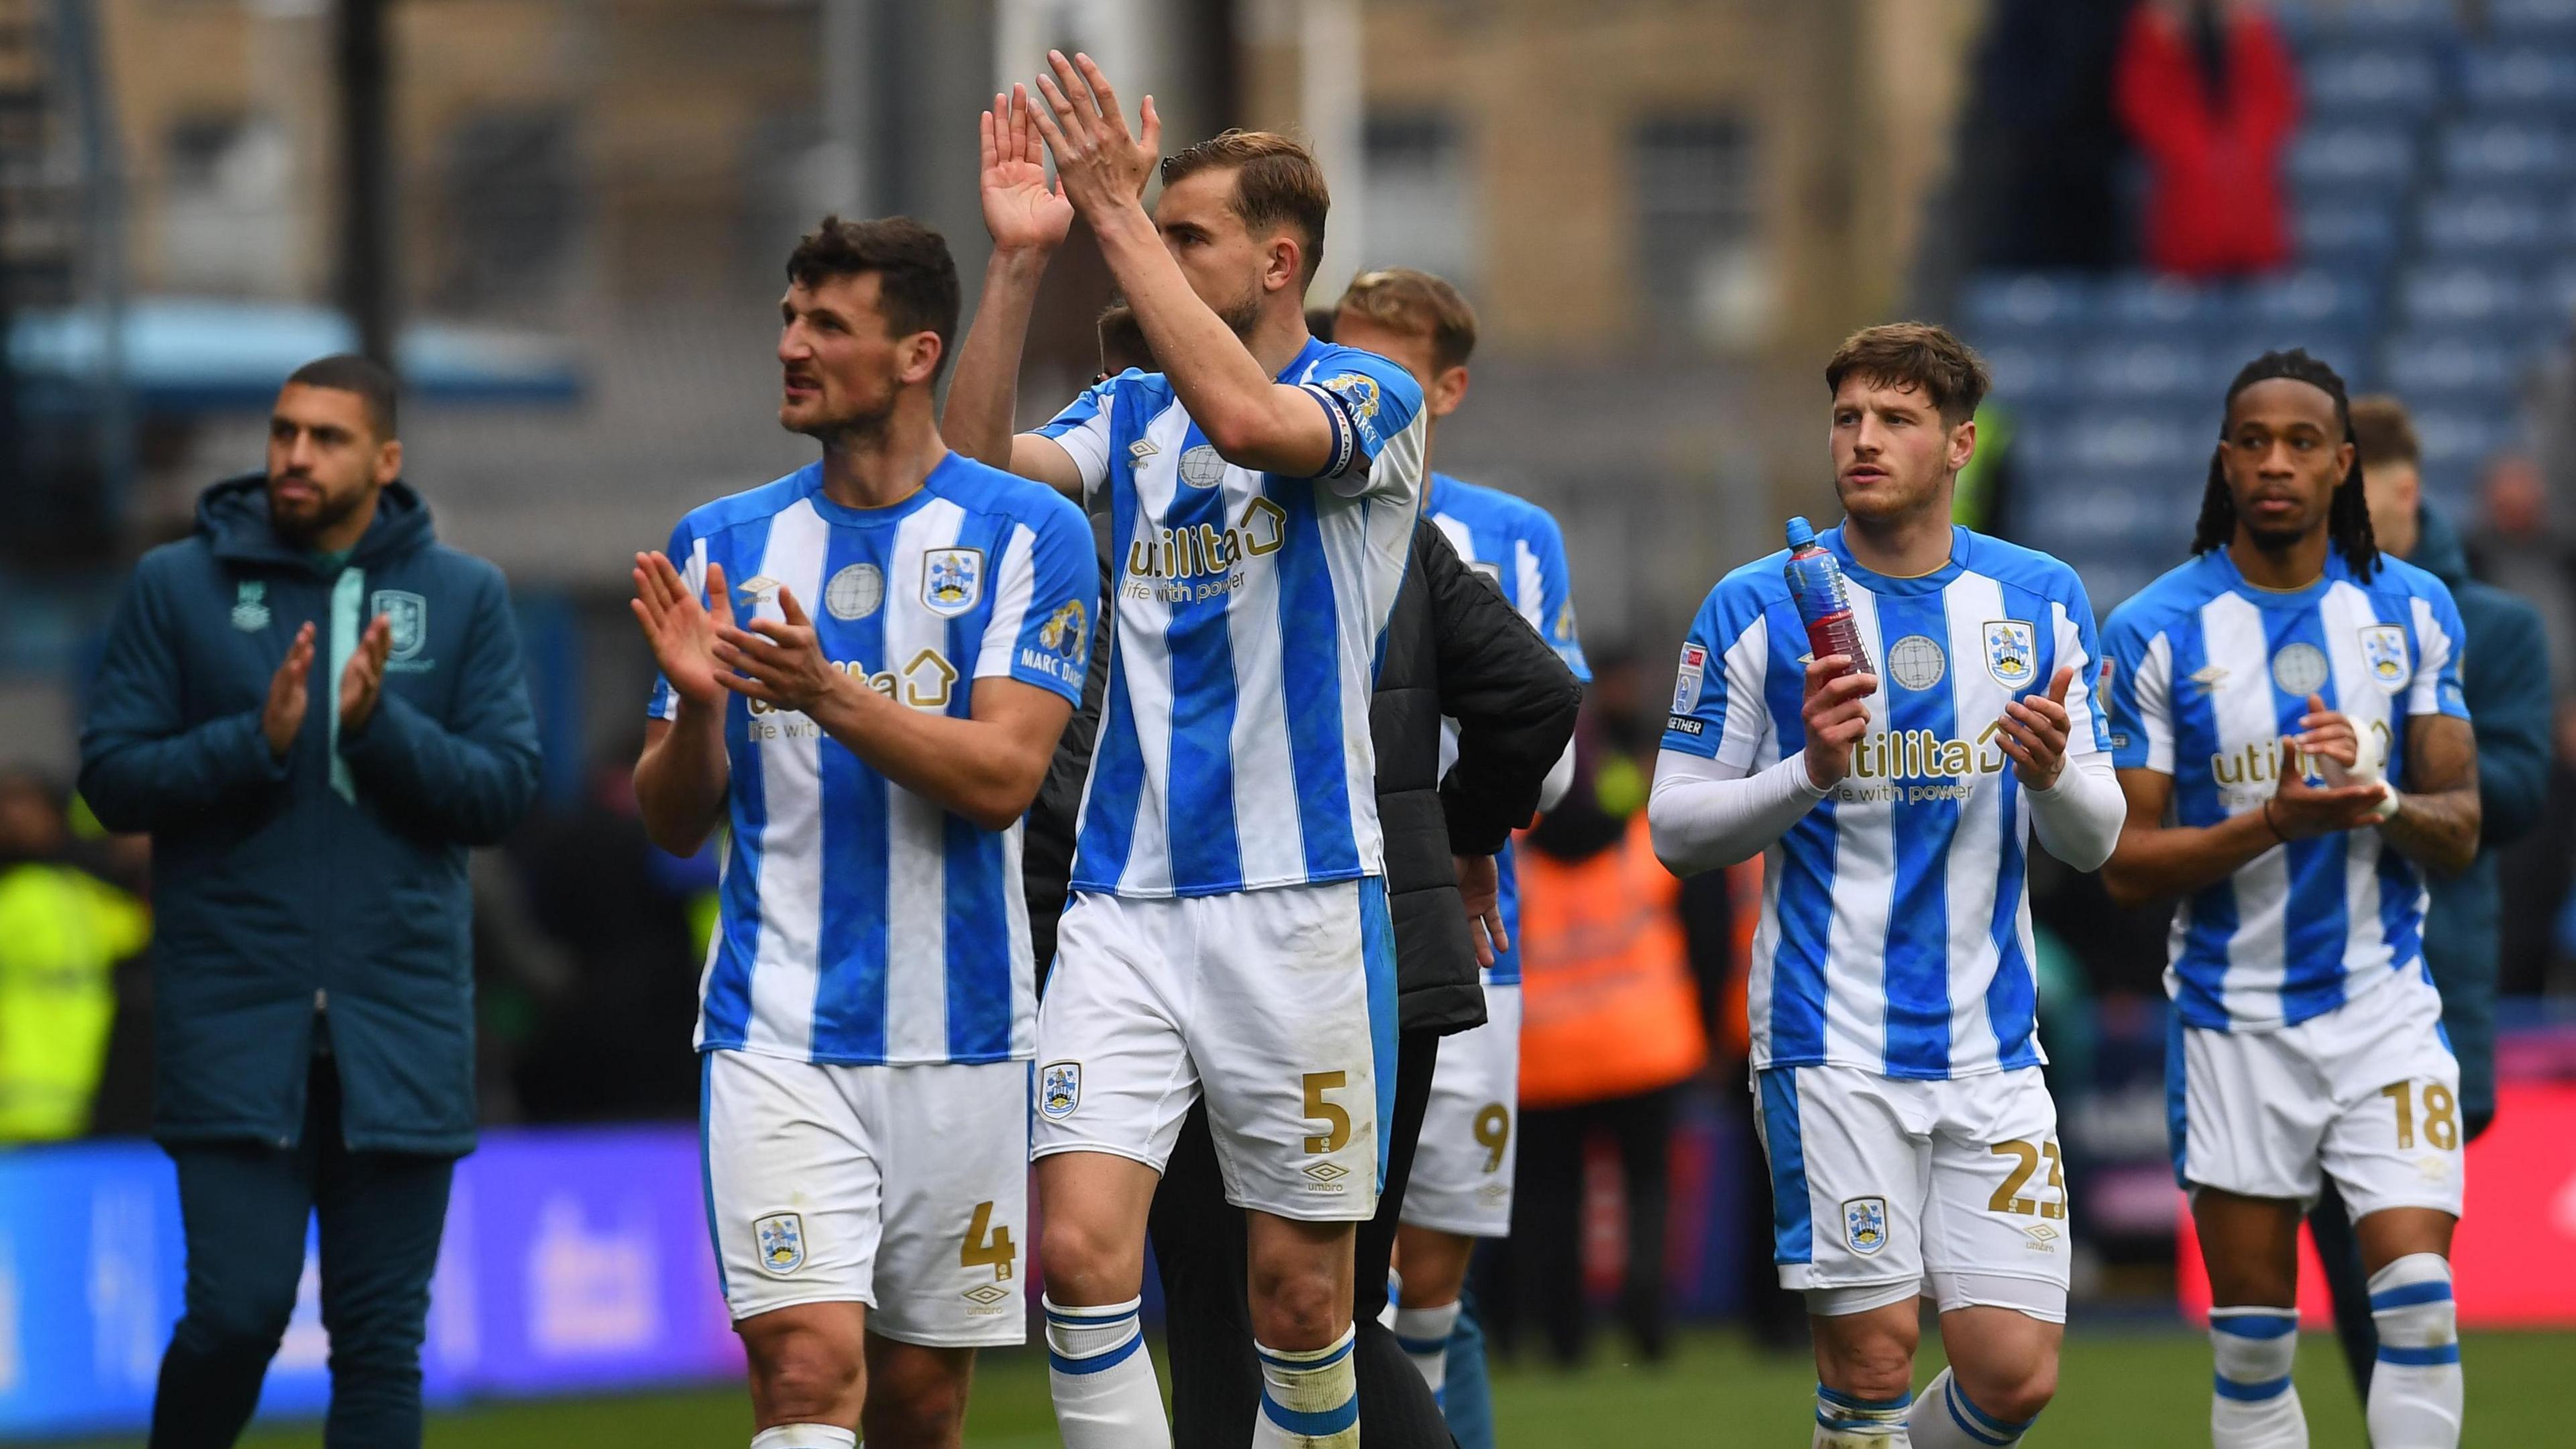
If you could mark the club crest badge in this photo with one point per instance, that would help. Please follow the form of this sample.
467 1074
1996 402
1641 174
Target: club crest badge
2012 653
407 614
952 580
2383 648
781 1240
1358 392
1865 1223
250 606
1061 635
1060 1089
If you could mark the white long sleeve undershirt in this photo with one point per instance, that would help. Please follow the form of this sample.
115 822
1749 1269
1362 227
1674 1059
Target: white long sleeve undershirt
1706 815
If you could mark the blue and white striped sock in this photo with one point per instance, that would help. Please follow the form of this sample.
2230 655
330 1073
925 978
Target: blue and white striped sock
2416 1392
1102 1379
1944 1417
1310 1398
1847 1421
1423 1333
2253 1404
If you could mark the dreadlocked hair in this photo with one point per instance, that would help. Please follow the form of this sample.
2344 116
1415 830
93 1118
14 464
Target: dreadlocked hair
2347 517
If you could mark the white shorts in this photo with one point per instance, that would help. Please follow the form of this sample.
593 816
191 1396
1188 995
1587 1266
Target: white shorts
1462 1168
1884 1188
1278 1005
903 1188
2367 1094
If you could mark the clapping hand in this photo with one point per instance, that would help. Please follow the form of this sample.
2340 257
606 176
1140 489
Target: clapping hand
681 630
778 662
1021 210
1101 165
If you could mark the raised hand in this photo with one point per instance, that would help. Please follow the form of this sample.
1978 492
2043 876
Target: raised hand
1099 162
283 715
681 630
1021 210
778 662
2034 732
1836 715
363 681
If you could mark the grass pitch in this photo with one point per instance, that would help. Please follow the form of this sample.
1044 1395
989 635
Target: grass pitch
2118 1386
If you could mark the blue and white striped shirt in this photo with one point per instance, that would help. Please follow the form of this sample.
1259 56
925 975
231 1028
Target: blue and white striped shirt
2207 674
1234 747
1895 931
1517 544
862 924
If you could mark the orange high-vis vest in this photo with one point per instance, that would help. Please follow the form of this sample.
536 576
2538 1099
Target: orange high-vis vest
1608 1008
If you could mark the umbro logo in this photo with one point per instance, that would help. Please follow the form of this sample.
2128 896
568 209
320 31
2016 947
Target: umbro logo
1326 1176
988 1295
2208 676
1142 449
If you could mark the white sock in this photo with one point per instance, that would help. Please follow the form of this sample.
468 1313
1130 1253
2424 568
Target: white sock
1424 1334
1844 1421
1102 1379
1943 1418
1310 1398
1394 1296
2252 1403
805 1436
2416 1391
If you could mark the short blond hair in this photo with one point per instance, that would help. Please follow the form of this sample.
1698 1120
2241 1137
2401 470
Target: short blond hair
1418 304
1276 183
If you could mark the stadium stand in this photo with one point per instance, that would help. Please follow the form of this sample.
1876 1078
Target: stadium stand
2435 185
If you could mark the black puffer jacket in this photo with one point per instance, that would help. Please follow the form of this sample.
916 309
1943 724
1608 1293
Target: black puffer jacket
1454 647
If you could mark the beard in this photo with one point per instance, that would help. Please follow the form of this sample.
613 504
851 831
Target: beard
851 425
328 511
1243 313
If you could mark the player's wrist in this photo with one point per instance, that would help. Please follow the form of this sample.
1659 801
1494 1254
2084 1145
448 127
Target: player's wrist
1811 778
1019 260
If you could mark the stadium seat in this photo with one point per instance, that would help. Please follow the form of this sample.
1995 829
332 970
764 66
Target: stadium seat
2532 21
2487 224
2381 82
2130 437
2347 234
2421 365
2142 304
2520 80
2111 513
2028 370
2460 441
2311 299
2461 294
2506 151
2358 156
2000 303
2408 20
2143 371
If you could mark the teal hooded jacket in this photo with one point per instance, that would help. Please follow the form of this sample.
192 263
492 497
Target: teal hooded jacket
2504 672
331 882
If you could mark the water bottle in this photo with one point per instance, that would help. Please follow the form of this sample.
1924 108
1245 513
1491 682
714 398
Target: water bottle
1816 582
